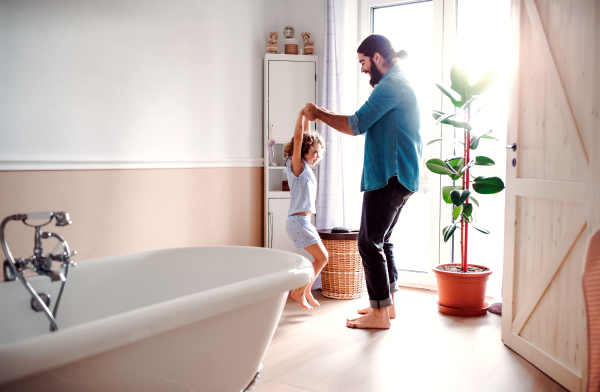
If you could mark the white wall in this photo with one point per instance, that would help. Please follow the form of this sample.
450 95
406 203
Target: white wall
307 16
143 80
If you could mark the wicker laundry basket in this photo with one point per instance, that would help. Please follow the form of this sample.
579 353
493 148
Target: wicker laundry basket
343 277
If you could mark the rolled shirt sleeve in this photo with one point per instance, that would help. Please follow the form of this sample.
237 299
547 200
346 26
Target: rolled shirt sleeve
383 98
353 123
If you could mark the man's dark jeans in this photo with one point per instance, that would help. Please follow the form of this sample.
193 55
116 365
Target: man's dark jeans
380 211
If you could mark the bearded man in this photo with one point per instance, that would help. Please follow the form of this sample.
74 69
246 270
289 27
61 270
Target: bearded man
390 121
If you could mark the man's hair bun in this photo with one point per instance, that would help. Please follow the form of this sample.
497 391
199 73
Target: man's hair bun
402 54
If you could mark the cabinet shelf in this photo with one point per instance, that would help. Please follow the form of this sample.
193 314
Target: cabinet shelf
278 195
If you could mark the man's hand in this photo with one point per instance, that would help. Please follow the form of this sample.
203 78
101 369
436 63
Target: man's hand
322 116
311 111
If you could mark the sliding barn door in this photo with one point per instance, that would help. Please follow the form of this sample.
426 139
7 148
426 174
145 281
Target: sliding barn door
552 121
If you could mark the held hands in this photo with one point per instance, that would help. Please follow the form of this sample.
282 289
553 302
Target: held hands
310 112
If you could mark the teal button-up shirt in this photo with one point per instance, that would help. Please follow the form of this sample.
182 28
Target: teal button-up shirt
390 119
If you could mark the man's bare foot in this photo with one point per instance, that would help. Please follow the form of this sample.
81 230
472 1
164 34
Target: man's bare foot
391 311
298 295
376 318
310 297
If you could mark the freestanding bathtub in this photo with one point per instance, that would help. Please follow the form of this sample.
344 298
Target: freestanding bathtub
183 319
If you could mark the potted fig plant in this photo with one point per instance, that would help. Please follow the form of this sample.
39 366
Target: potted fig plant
461 288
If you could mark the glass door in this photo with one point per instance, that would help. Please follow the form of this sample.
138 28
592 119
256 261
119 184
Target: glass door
410 26
436 34
482 44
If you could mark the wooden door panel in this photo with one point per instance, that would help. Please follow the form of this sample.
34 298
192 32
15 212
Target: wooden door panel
555 326
541 231
552 119
570 35
546 153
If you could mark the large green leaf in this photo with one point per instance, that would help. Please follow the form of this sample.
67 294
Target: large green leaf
466 104
467 166
446 192
448 231
458 124
459 196
483 107
454 97
467 209
438 166
460 82
475 139
455 161
437 114
488 185
456 212
444 117
484 83
481 229
448 139
489 137
484 161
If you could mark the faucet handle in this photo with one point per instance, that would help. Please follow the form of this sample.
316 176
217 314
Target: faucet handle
9 272
59 249
62 218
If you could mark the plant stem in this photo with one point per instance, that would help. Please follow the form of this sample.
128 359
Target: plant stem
462 221
466 231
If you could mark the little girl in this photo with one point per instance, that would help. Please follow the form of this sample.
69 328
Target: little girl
303 151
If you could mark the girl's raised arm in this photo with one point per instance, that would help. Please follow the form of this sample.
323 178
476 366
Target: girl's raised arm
297 161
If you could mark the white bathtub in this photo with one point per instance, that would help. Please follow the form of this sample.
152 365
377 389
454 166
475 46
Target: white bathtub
185 319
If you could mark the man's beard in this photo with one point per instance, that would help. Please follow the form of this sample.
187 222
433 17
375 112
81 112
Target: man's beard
375 75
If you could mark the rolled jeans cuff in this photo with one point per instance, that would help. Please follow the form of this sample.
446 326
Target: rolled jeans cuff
381 304
394 288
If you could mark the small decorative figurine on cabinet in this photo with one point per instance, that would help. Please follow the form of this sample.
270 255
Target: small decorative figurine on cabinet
291 44
309 46
272 44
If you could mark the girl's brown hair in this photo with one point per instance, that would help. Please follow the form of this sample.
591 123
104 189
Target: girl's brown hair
309 139
375 43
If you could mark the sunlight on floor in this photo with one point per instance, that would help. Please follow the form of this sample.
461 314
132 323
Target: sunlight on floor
423 351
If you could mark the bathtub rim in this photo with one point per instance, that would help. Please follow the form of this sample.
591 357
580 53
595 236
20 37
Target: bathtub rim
41 353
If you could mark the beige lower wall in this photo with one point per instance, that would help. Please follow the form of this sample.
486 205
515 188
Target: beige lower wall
123 211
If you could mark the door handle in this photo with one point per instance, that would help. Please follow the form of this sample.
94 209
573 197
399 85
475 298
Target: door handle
512 147
270 231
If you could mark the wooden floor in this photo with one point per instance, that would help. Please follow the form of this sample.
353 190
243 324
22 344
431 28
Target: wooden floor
423 351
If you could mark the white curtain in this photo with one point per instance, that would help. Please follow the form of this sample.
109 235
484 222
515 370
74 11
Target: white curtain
330 191
339 200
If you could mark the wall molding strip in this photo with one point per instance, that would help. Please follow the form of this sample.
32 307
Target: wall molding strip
53 163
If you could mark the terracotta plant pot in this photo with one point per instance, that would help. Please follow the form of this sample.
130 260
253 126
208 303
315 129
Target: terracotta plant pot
462 294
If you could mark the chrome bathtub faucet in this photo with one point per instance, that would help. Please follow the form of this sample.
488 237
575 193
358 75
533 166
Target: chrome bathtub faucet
40 262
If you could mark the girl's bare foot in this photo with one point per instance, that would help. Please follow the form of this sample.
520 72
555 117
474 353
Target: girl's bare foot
298 295
391 311
310 297
376 318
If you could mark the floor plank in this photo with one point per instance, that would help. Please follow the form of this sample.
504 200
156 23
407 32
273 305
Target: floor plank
423 351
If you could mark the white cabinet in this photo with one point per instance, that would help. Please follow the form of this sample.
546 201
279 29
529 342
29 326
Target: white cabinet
290 82
291 85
